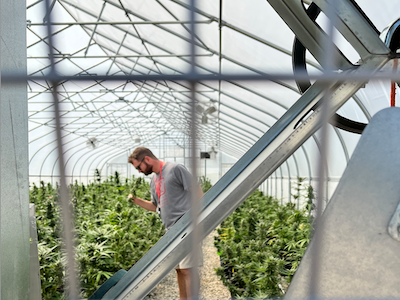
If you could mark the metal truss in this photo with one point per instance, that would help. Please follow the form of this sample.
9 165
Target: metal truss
117 113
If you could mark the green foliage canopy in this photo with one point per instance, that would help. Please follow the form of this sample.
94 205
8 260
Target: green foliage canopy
111 232
261 245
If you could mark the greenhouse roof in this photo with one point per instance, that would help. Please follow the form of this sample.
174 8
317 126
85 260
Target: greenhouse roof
102 119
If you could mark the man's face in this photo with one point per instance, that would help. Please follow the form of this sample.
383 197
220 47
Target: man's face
143 166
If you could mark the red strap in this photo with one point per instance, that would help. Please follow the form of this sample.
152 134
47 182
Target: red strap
393 86
158 188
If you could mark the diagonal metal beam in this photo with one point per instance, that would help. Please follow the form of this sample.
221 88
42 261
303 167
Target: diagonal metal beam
278 144
351 22
95 27
311 36
183 25
356 28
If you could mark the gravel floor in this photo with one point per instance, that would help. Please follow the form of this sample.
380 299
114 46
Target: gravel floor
211 288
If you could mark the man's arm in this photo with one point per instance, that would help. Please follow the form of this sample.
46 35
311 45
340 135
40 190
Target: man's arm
199 192
143 203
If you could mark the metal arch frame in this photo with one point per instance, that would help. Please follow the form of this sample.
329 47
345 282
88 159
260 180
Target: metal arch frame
79 8
32 157
222 57
103 107
281 176
91 158
338 133
326 169
155 45
303 148
344 147
103 161
212 18
49 143
80 173
231 27
53 142
308 165
310 177
282 50
65 150
289 187
298 175
107 158
270 114
44 160
74 154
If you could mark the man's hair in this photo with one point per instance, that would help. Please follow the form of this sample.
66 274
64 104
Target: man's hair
139 153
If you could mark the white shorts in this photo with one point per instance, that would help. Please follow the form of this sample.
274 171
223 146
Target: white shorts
189 262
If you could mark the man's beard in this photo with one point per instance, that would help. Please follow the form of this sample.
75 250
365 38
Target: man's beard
148 170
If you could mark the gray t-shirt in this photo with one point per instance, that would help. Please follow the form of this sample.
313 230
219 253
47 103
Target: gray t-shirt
174 189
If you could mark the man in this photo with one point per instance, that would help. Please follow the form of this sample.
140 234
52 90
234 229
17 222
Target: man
171 197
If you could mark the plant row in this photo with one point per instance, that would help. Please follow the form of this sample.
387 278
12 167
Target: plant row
261 245
111 232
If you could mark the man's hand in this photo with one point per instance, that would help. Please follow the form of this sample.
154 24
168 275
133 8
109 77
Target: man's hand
130 196
142 203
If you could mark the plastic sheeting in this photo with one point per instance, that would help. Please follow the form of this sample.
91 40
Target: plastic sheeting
104 120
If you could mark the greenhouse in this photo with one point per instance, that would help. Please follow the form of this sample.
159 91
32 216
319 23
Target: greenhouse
284 112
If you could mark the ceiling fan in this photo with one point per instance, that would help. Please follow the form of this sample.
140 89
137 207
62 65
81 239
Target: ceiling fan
92 143
205 113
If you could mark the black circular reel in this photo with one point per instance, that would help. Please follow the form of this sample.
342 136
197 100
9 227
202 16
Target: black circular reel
299 65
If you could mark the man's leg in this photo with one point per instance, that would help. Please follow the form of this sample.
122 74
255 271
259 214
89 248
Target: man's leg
189 283
181 284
